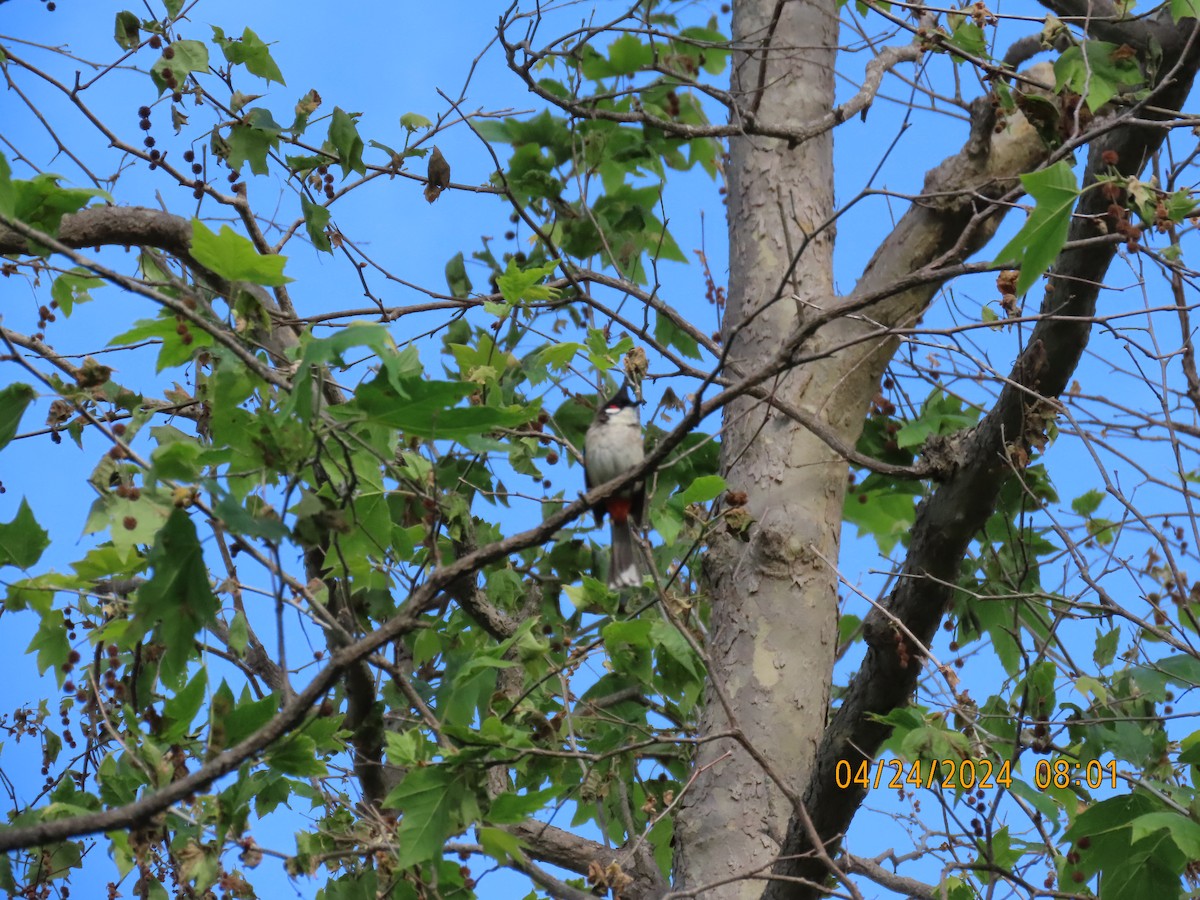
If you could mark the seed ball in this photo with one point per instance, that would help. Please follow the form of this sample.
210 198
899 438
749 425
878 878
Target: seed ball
188 156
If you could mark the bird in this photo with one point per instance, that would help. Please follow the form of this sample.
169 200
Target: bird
612 447
438 176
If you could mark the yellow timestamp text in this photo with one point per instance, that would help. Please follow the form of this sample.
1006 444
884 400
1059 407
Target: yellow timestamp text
968 774
1063 773
971 774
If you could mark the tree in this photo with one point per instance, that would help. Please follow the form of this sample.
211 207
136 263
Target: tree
334 580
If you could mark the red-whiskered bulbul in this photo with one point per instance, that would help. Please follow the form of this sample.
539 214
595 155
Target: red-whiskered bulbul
613 447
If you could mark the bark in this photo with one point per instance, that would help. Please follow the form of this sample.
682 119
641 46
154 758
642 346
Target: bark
133 226
774 616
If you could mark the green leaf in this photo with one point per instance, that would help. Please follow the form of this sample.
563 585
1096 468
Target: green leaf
428 409
180 710
703 489
302 165
558 356
126 30
233 257
249 51
1133 866
1042 236
72 287
402 747
1182 670
456 276
22 540
499 844
1184 832
50 642
8 194
296 755
245 718
848 626
251 144
666 332
176 600
509 808
1185 9
177 456
239 633
885 511
671 644
186 57
174 351
1086 504
1106 647
969 38
1039 800
316 219
524 285
7 883
14 400
435 806
413 121
343 135
1096 70
41 203
628 55
712 59
251 141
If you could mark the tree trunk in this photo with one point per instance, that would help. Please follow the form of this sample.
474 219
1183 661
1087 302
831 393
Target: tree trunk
774 612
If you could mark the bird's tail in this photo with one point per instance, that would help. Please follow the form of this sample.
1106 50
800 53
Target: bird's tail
625 571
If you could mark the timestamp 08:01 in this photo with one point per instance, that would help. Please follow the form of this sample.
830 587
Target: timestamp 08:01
1062 773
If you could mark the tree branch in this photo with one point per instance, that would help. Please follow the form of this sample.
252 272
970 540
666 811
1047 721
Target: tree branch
577 854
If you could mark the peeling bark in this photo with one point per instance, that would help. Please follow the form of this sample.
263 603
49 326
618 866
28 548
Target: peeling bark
774 617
